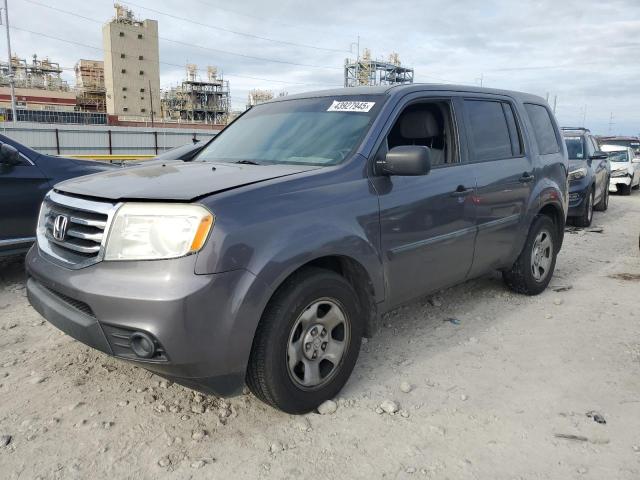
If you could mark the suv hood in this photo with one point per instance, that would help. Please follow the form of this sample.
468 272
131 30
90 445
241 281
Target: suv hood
175 180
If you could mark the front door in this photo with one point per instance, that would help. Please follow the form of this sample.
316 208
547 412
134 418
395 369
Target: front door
427 222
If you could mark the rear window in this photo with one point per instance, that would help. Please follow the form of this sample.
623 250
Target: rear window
488 130
543 128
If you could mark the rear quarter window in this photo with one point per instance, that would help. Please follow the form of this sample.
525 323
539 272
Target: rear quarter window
543 128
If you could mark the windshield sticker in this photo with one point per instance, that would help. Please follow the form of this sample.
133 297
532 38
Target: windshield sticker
350 106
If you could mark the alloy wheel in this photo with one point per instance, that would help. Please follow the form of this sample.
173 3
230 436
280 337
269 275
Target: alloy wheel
541 255
317 343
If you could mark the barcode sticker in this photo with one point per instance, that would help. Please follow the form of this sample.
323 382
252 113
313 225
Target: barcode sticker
350 106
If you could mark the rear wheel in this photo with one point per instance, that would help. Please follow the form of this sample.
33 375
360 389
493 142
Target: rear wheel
584 220
603 204
307 342
532 271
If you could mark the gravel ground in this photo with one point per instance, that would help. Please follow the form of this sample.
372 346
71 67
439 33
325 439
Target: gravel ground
487 385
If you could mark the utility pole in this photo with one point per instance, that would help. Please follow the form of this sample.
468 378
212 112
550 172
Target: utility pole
610 123
358 62
12 80
150 99
555 103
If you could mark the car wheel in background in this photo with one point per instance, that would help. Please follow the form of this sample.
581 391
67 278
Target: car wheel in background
624 189
603 204
307 342
532 271
584 220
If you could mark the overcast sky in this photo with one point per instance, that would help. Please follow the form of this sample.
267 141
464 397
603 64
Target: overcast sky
587 52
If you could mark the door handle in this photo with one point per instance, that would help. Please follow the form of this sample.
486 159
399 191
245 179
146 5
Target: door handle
461 191
526 178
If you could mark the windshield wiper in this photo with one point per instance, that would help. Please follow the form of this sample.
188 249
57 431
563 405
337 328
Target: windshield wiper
247 162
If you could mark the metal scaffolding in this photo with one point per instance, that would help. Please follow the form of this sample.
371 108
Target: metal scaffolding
197 100
39 74
90 88
367 71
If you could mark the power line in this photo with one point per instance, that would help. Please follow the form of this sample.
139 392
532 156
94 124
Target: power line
235 32
178 42
262 19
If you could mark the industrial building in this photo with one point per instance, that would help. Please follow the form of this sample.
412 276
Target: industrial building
90 88
257 96
131 66
367 71
38 86
197 99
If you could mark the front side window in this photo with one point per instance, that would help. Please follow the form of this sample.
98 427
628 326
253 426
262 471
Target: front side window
543 128
312 131
428 124
488 130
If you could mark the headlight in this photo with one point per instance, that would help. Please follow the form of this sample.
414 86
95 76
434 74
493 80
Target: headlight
152 231
619 173
577 174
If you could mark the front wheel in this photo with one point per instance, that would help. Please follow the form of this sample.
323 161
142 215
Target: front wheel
624 189
307 342
584 220
532 271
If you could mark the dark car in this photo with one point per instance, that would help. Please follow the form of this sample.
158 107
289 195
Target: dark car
268 257
25 177
589 173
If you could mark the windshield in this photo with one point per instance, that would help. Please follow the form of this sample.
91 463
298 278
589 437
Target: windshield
575 147
619 156
312 131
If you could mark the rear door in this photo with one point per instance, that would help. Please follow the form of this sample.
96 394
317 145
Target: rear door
600 168
504 177
22 188
427 222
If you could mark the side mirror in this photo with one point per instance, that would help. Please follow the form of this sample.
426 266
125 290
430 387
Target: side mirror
407 160
9 155
598 155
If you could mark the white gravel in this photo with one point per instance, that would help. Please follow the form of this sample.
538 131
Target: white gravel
501 388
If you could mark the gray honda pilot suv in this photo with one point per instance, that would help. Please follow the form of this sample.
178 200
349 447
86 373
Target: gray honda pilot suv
267 258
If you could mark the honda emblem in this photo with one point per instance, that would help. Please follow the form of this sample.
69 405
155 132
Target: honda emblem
60 227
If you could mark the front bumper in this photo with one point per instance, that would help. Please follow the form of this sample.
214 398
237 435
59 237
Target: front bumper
201 324
577 194
615 181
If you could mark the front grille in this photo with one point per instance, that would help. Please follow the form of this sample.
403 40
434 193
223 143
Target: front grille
71 302
72 229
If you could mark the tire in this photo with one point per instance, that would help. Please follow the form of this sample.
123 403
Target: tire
624 189
311 299
603 204
526 276
585 219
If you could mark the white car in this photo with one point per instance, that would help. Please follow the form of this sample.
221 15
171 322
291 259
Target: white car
625 169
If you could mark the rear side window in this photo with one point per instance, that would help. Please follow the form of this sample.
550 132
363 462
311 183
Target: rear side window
543 128
488 130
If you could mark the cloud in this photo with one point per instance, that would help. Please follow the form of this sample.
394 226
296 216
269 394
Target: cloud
583 51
